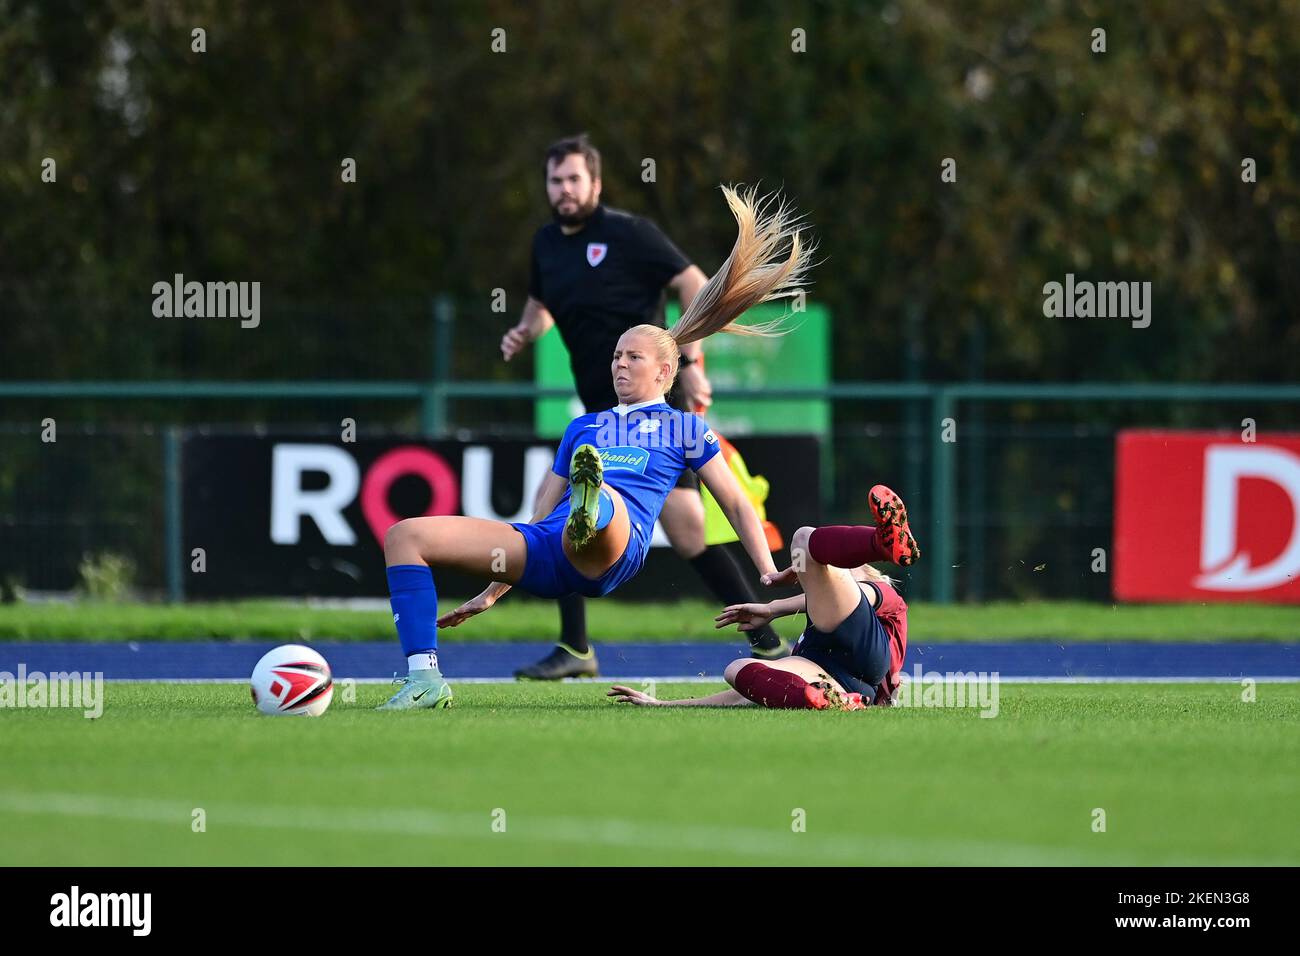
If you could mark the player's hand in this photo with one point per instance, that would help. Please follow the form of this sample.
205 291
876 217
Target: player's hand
778 578
467 610
750 617
513 342
626 695
697 390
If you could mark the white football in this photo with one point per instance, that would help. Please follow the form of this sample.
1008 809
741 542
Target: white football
292 680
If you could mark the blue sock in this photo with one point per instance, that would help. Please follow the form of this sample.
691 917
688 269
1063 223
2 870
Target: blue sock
414 600
606 510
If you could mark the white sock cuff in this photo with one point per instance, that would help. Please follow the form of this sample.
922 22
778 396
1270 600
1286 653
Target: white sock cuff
425 660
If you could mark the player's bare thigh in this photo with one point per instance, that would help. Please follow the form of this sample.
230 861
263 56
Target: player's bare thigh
795 665
478 546
683 521
831 592
602 551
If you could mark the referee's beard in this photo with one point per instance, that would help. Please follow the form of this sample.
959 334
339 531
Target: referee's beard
579 216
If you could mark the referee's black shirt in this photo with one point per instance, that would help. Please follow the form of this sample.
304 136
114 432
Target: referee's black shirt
598 283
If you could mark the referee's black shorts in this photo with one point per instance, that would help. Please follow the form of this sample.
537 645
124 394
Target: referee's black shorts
675 399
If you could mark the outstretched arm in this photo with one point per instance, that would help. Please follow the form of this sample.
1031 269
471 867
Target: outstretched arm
722 484
784 607
726 698
549 493
750 617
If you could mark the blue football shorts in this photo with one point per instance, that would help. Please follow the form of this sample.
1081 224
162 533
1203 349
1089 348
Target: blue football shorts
548 572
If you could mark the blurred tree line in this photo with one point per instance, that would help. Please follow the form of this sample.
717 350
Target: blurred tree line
225 165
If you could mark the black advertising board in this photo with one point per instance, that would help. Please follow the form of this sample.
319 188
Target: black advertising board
279 515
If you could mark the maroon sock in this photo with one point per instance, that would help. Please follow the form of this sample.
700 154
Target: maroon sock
771 686
845 546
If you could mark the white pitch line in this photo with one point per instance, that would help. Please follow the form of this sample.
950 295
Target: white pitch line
603 831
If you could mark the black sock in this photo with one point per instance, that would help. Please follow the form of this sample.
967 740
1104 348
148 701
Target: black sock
573 622
721 572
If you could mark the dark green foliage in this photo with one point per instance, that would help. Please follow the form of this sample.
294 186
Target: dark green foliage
226 165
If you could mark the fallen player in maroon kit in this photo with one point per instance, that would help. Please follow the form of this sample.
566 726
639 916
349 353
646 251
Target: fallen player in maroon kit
852 651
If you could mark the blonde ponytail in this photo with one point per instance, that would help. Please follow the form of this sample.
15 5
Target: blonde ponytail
756 271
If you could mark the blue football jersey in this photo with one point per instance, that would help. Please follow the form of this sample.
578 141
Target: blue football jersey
644 449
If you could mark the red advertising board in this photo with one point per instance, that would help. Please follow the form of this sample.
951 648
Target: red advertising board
1207 516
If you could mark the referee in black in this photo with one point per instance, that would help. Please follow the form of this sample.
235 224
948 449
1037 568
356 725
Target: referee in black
596 272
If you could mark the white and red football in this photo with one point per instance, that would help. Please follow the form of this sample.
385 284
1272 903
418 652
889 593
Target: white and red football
292 680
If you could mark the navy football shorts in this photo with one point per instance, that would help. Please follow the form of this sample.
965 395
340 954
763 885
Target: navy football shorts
855 654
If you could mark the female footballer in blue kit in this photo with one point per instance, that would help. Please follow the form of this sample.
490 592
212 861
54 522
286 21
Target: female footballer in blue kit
613 470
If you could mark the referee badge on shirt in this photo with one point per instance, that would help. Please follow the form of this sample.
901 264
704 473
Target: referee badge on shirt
596 253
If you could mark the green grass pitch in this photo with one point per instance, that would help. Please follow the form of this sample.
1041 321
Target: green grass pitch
555 774
518 618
